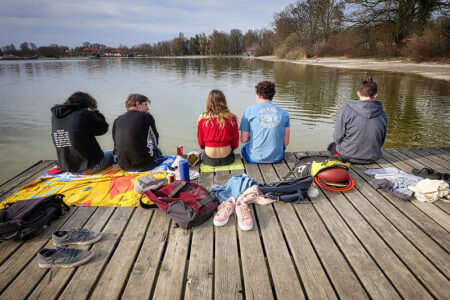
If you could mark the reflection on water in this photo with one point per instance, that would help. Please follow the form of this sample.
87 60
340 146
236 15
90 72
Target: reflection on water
418 108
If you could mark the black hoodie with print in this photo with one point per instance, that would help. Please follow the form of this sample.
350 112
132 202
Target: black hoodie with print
73 134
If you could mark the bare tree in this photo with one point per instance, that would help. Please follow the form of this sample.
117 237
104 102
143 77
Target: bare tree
309 20
236 41
179 45
407 16
219 42
251 39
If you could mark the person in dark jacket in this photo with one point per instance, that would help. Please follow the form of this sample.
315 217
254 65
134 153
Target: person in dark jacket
74 127
360 129
136 137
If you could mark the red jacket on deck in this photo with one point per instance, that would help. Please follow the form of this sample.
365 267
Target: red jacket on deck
212 135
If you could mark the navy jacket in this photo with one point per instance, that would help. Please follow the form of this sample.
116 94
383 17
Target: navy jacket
360 130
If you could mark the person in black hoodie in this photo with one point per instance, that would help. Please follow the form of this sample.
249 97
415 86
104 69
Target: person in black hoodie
74 127
361 125
135 136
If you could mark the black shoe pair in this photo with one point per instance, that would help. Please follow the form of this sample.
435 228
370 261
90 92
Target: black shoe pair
431 174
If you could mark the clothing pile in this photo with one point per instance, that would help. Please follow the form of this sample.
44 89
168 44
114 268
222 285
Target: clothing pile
405 185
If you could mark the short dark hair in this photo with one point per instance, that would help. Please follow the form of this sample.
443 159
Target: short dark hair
83 100
265 89
369 88
134 98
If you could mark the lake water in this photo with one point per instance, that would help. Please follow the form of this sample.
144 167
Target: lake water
418 108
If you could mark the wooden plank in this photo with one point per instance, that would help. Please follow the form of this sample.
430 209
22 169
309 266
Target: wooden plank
364 264
255 272
116 272
433 156
144 272
23 285
7 248
227 275
257 284
340 273
407 166
439 156
406 251
24 172
27 252
284 274
403 280
419 218
435 253
24 178
85 277
200 275
433 211
312 274
50 290
171 276
421 159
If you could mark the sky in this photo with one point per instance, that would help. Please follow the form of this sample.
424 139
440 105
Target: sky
113 22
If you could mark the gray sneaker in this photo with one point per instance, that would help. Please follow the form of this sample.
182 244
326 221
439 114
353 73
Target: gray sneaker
62 257
75 236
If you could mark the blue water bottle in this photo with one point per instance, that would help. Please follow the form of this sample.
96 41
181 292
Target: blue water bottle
184 170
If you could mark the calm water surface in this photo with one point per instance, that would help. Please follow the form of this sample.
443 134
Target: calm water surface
418 108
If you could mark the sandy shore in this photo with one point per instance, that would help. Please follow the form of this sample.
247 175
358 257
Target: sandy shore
431 70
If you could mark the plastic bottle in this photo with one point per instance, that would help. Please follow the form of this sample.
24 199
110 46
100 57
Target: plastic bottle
184 170
313 192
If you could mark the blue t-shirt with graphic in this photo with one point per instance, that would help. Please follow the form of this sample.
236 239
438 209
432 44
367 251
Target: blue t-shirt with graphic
266 123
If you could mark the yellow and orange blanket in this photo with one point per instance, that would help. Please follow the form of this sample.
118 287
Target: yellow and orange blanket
110 187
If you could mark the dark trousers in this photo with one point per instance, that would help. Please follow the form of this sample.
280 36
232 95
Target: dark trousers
214 162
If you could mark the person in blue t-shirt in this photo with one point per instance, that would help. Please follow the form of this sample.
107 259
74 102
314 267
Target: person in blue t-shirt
265 128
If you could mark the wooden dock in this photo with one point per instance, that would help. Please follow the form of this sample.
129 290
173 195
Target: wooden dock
355 245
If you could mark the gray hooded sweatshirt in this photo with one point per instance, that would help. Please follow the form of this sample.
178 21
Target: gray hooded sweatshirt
360 130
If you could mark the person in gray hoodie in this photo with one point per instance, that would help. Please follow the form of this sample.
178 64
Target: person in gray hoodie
360 128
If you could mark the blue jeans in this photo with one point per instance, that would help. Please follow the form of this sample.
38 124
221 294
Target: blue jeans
107 160
158 158
247 157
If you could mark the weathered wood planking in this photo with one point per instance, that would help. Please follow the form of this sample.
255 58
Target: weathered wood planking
145 270
227 274
23 285
283 271
200 275
255 275
50 290
359 244
85 277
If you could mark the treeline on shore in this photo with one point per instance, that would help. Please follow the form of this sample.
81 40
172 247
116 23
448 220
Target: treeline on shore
415 29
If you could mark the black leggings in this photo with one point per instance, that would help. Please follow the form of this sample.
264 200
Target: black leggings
214 162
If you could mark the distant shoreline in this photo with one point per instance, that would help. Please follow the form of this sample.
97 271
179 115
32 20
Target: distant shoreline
427 69
430 70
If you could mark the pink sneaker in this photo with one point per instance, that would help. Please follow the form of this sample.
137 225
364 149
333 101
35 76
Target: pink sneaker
224 211
244 216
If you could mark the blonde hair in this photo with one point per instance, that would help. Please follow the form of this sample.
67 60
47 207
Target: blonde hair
216 108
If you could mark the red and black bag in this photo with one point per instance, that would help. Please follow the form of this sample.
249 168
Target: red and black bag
187 203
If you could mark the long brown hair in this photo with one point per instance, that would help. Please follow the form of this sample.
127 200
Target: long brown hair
216 108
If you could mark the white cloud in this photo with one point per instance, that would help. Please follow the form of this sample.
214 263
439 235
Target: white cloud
142 20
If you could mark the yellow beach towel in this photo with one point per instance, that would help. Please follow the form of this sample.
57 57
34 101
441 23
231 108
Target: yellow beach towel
111 187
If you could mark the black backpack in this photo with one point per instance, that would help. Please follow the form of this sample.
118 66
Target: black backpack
291 190
24 219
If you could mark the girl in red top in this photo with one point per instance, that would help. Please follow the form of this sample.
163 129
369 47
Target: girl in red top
217 131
